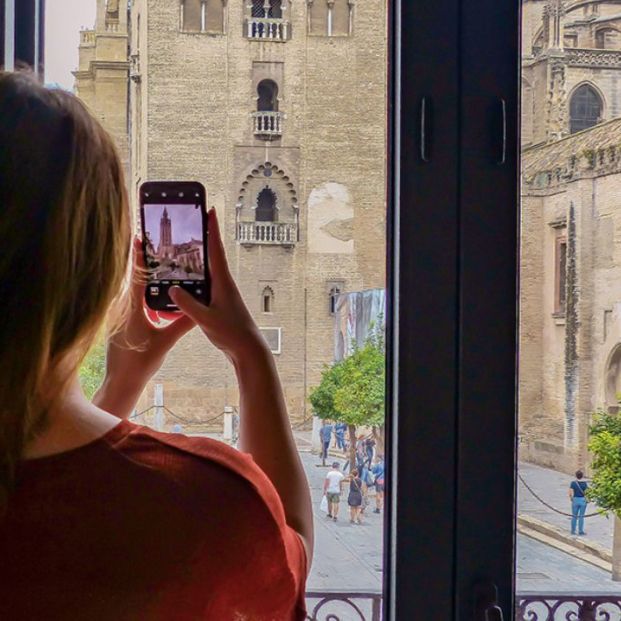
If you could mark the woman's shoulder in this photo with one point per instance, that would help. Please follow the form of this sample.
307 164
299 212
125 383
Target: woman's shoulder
196 464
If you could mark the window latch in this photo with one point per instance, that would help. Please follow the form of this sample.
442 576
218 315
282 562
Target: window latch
486 606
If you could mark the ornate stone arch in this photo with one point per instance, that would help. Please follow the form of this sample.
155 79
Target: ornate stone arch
268 177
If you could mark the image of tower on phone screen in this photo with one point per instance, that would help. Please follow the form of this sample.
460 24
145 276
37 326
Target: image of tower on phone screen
174 242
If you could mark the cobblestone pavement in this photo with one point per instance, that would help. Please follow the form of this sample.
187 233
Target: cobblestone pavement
553 487
350 557
347 556
541 568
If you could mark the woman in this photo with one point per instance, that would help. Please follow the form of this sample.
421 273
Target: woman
577 495
354 499
100 518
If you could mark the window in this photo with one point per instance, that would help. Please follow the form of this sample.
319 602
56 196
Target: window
330 17
267 100
335 291
202 16
607 39
191 15
560 274
585 109
267 8
267 300
266 206
273 337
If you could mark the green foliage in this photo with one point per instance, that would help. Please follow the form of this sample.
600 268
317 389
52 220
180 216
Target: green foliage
322 396
605 445
93 368
359 400
352 390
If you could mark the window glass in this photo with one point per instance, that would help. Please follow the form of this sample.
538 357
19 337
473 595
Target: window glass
569 538
288 133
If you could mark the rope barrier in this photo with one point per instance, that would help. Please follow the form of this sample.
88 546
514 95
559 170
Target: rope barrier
543 502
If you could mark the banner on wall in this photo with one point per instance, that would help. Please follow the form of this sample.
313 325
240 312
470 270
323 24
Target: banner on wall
356 315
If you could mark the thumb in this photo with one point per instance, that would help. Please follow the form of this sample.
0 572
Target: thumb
189 305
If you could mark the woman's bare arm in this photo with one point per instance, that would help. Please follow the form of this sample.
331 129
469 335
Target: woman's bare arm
265 429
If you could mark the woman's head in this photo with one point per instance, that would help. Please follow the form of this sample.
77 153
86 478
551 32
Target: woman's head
354 472
65 238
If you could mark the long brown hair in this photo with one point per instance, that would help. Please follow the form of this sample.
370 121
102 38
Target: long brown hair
64 248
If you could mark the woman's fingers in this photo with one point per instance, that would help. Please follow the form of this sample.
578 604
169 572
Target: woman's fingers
172 333
215 249
189 305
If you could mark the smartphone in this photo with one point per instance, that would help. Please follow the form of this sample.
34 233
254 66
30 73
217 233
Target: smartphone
173 217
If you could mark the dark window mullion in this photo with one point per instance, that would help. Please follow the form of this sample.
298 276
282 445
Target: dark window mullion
488 299
424 288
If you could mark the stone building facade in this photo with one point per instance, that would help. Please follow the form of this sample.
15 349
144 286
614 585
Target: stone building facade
279 109
570 280
102 74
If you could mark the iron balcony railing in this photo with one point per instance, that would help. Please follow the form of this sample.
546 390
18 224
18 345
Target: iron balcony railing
268 28
344 605
268 124
283 233
543 606
561 607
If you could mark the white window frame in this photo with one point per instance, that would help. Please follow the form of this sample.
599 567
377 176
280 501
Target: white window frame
279 331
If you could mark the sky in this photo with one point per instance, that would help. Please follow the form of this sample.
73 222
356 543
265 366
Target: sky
63 21
186 223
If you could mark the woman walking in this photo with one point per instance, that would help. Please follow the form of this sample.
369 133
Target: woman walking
354 500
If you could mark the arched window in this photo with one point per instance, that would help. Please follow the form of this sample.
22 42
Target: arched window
267 100
607 39
585 109
266 206
267 300
267 8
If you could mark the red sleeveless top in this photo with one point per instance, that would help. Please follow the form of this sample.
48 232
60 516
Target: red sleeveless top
144 526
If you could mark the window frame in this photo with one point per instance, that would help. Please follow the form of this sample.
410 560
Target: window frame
451 425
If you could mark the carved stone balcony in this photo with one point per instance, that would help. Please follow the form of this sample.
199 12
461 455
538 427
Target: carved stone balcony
593 58
268 125
267 233
268 28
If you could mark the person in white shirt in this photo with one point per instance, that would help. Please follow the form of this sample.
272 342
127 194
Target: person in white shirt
332 489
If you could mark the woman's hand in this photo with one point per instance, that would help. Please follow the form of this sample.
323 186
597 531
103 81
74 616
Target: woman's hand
136 351
226 321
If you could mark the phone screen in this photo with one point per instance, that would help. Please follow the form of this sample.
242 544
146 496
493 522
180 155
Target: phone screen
174 245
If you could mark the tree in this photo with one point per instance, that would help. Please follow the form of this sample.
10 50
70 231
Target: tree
605 486
353 390
322 396
93 368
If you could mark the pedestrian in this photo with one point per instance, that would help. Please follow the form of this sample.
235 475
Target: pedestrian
360 452
339 431
354 499
577 489
378 471
332 490
325 435
369 448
